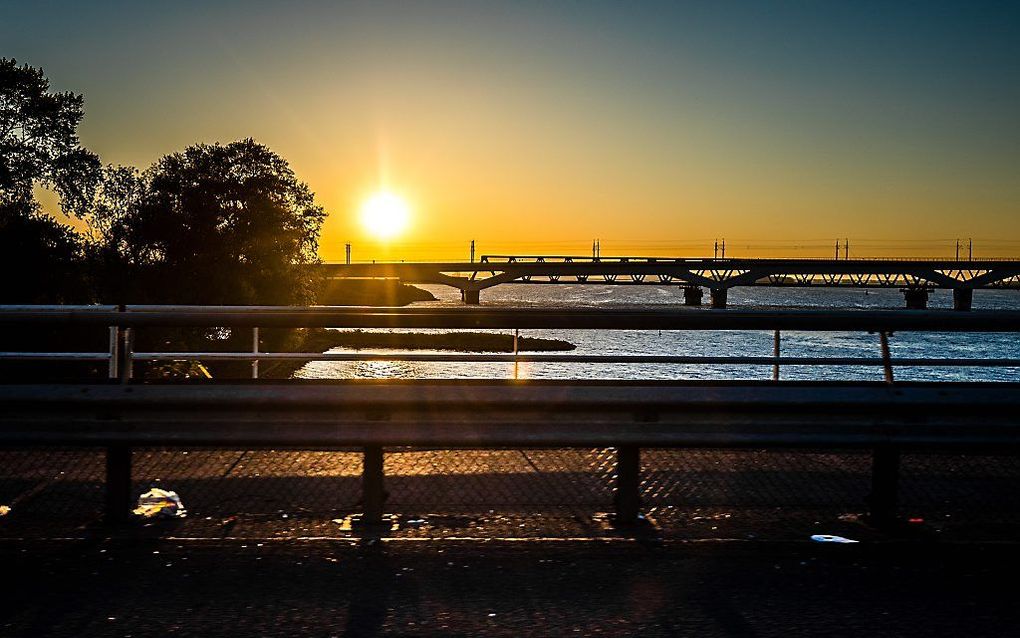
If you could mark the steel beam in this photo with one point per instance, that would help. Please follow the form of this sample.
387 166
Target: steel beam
652 271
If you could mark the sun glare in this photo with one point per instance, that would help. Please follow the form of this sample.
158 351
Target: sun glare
385 215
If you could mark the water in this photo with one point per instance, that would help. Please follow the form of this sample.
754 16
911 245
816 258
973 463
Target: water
708 343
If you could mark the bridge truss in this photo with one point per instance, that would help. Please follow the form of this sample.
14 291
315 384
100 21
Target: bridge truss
916 277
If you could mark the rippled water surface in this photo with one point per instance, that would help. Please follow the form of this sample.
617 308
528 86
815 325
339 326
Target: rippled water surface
708 343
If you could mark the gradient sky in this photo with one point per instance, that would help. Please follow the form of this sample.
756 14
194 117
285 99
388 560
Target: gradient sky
539 126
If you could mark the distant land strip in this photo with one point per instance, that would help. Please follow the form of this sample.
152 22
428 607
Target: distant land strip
456 341
324 339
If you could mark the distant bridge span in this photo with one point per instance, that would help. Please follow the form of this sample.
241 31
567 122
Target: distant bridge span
914 276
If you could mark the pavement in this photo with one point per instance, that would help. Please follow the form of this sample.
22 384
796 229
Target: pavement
429 587
509 543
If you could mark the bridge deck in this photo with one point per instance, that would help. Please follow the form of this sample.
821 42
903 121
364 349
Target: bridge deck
718 275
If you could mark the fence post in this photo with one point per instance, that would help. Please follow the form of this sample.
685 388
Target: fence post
627 499
127 359
884 498
372 491
114 365
255 350
883 338
118 484
775 354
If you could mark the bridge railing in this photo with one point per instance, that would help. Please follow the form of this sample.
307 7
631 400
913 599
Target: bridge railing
122 324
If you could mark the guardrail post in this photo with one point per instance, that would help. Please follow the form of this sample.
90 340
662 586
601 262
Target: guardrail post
113 369
118 484
121 349
887 369
255 350
884 498
118 457
373 493
127 358
627 498
775 354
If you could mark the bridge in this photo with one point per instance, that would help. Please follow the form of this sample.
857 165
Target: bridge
916 278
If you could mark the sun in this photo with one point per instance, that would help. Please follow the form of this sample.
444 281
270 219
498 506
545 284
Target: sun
385 215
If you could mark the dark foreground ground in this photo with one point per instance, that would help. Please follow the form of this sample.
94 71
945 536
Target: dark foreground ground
510 543
499 588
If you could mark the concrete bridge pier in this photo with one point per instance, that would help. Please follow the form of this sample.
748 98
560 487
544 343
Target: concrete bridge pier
470 297
963 298
692 295
719 297
916 297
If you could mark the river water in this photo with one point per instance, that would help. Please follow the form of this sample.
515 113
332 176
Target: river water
707 343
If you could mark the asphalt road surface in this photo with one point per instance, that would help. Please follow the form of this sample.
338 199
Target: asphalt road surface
420 587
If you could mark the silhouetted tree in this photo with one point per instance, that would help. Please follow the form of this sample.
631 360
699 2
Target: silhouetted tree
39 145
39 142
41 262
213 224
41 259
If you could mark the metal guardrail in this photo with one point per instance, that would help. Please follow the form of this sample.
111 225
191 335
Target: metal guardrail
885 417
120 355
371 415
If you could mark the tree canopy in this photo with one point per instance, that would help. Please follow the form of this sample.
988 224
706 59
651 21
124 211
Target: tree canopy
39 140
215 224
39 145
212 224
40 258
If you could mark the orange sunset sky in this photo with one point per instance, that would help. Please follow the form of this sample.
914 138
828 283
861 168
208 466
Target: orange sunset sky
536 127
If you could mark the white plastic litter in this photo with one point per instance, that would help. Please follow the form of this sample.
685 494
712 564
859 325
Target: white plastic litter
158 503
828 538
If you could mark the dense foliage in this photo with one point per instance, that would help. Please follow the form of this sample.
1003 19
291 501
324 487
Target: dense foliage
39 146
39 142
212 224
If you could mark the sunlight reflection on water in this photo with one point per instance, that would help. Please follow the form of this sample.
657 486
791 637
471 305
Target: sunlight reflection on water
705 343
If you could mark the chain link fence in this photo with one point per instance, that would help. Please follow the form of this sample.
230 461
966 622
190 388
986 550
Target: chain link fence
512 492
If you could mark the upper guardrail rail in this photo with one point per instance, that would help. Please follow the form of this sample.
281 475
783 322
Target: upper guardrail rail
520 318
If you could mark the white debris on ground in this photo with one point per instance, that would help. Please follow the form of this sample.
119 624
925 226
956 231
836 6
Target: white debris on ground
5 510
828 538
160 503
